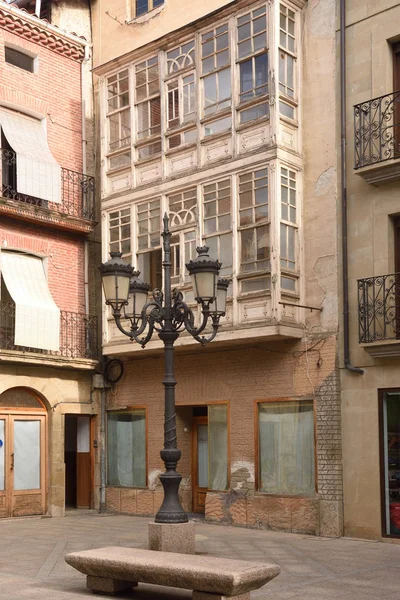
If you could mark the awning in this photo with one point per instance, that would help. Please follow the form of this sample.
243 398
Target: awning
37 318
38 173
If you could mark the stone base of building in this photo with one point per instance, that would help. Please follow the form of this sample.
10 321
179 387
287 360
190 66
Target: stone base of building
312 516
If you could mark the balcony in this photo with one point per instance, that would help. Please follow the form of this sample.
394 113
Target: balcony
76 210
78 338
379 315
377 138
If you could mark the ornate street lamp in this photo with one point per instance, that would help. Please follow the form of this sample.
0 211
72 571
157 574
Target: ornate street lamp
168 315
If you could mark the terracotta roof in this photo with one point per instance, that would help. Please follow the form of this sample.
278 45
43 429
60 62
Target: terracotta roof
14 21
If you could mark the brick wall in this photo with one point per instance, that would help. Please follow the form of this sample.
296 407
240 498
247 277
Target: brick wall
242 376
65 259
54 93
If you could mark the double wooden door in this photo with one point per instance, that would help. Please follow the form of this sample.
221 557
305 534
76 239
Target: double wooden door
22 464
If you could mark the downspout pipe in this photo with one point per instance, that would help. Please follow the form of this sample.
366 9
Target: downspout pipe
343 178
103 474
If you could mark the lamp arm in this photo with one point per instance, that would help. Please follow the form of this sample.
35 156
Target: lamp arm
134 334
205 340
117 319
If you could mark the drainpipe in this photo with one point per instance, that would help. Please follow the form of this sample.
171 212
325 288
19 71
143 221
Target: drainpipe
343 177
103 450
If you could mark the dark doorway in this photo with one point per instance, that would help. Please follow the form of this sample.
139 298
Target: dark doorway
77 456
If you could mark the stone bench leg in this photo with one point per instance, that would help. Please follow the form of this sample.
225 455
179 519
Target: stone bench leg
207 596
108 586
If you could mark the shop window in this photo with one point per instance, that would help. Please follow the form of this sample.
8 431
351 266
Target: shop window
286 447
390 435
126 448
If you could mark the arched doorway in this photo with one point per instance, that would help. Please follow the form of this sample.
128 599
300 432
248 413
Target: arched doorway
23 430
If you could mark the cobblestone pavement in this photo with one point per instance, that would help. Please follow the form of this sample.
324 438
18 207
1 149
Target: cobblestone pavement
32 559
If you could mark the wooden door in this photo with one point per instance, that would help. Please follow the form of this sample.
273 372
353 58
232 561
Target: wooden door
26 479
396 88
199 463
4 468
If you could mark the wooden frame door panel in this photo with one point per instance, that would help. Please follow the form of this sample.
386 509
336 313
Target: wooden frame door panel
27 435
199 492
5 467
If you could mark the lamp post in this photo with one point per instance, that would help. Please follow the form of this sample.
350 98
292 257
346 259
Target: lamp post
168 315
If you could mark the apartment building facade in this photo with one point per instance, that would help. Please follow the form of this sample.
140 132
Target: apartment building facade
48 327
223 115
370 398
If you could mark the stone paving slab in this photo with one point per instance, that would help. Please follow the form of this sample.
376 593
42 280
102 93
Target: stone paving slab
32 559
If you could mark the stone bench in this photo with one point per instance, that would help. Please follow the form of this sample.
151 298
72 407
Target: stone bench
113 570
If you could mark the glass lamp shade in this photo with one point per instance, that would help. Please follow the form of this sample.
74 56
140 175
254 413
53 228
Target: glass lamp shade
218 306
203 272
138 293
116 274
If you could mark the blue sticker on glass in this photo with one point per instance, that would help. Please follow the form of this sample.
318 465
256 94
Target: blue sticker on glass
1 443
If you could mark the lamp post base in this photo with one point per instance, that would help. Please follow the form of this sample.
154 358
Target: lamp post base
172 537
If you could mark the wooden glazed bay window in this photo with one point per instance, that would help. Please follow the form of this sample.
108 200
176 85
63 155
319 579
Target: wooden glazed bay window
218 222
120 232
252 54
119 120
149 257
148 108
254 228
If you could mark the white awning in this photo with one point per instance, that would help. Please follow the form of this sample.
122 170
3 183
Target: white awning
38 173
37 318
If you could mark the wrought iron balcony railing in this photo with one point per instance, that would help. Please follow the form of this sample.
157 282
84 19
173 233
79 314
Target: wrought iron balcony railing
78 334
379 308
77 190
377 130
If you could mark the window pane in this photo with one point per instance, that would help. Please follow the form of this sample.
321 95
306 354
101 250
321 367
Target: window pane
27 455
286 447
218 126
142 6
218 446
255 285
255 112
246 77
126 448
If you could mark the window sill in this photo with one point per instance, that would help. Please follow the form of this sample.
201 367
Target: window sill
227 112
178 149
253 274
313 495
216 136
180 128
147 160
118 170
256 294
253 123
